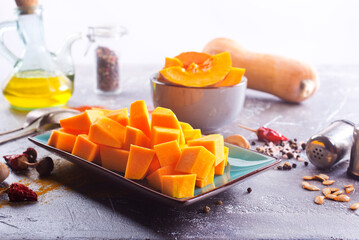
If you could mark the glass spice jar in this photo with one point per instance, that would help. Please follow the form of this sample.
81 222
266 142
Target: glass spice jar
105 42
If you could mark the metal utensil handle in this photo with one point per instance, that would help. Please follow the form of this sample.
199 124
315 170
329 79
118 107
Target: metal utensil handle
11 131
21 133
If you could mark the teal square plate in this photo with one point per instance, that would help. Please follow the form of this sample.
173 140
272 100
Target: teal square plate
242 163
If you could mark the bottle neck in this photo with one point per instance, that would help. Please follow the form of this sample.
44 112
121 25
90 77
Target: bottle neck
31 28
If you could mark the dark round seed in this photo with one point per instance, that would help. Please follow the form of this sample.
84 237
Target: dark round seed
294 165
303 146
279 167
219 202
206 209
295 139
45 166
31 154
249 190
290 155
306 163
253 143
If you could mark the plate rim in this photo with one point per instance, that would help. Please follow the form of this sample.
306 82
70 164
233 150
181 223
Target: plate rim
139 188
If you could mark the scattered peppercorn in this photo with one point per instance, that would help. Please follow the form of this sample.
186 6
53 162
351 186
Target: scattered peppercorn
206 209
290 155
31 154
253 143
45 166
294 165
249 190
279 167
303 146
219 202
306 163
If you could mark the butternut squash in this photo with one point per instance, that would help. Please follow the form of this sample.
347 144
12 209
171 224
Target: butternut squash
288 79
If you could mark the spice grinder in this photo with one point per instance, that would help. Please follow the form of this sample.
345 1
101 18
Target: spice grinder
353 169
331 144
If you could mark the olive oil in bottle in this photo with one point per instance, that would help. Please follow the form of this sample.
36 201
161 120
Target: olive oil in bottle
37 89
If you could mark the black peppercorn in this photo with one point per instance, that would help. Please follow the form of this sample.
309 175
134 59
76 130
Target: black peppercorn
306 163
249 190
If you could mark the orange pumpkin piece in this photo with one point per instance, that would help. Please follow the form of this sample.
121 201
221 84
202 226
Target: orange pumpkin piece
164 117
211 72
108 132
197 160
53 138
120 116
219 169
82 121
168 153
192 134
139 160
74 132
185 126
171 62
154 179
136 137
207 180
178 186
213 143
62 140
113 158
187 58
139 117
162 135
86 149
155 164
233 78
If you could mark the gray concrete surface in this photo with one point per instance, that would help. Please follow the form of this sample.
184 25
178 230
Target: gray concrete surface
74 204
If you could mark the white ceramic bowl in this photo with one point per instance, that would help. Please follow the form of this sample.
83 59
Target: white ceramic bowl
206 108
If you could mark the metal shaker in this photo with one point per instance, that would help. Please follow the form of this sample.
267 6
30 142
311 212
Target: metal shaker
331 144
353 169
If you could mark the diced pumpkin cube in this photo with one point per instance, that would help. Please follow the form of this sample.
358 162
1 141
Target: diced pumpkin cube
139 117
139 160
113 158
53 138
120 116
155 164
213 143
108 132
73 132
178 186
86 149
219 169
162 135
82 121
168 153
185 126
136 137
61 140
207 180
192 134
164 117
154 179
197 160
226 154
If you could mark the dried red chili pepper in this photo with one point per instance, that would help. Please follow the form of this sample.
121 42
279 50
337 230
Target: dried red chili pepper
17 162
19 192
267 134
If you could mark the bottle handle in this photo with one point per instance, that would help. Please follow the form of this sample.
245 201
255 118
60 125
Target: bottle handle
4 50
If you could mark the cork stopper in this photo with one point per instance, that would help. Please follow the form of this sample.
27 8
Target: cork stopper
26 3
